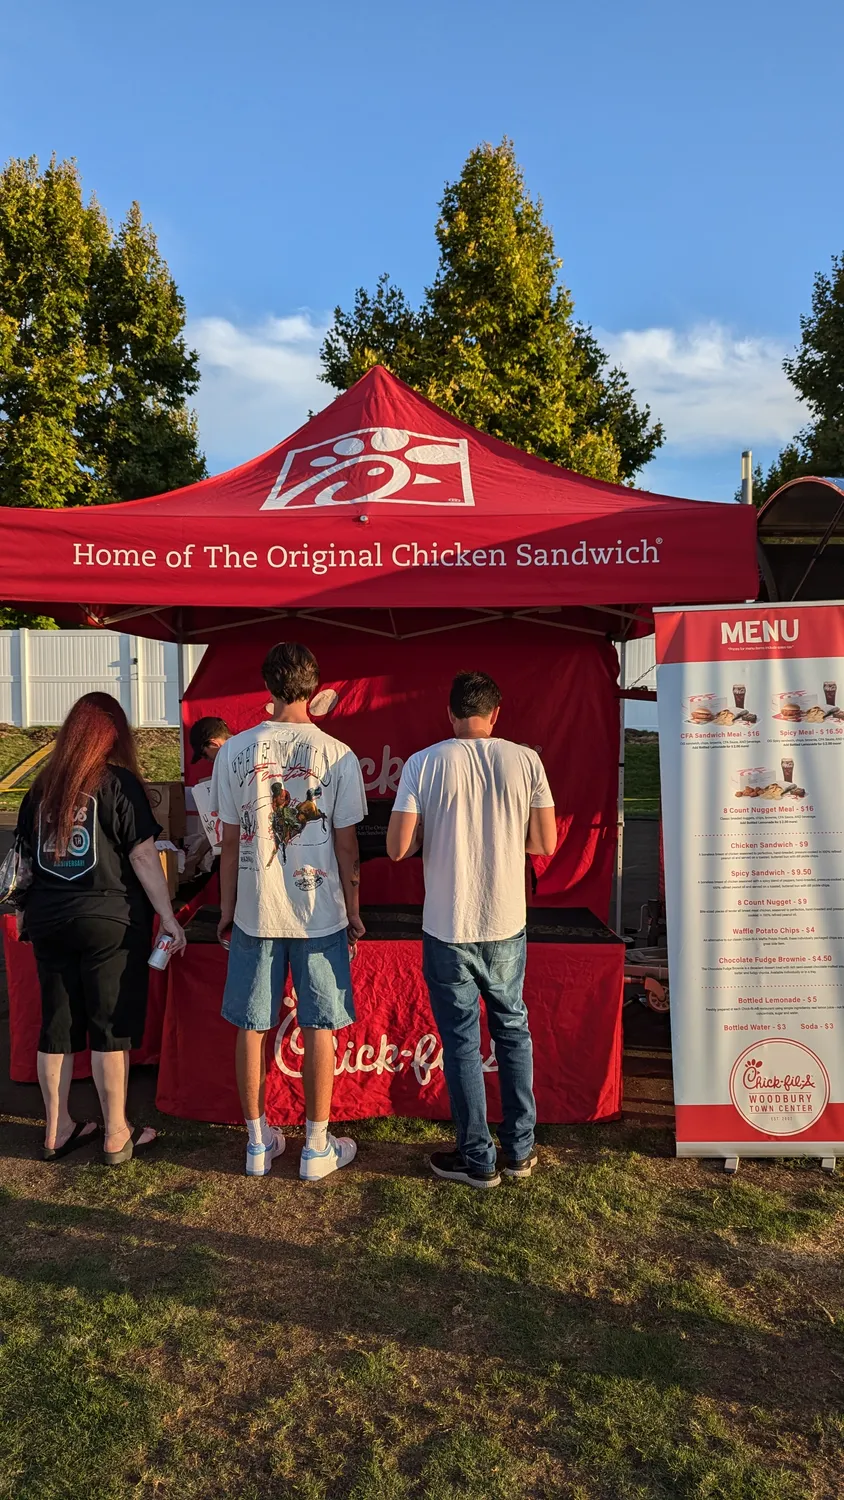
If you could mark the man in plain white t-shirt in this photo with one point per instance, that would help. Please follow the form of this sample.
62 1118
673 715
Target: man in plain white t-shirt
477 804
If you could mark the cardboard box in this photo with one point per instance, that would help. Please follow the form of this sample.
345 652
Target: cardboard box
170 866
167 800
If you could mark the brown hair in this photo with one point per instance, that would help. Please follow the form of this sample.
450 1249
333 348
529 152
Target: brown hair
291 672
94 736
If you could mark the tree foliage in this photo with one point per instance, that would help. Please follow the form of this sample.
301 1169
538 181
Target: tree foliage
494 340
94 370
817 372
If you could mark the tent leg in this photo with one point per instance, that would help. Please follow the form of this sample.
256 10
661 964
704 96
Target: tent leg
180 681
619 850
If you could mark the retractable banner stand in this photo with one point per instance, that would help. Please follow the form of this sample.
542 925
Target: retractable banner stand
751 728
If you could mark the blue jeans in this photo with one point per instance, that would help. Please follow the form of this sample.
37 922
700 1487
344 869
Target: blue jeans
257 974
455 974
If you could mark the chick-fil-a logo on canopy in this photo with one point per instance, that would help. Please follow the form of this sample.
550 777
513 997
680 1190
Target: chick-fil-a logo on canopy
374 464
779 1086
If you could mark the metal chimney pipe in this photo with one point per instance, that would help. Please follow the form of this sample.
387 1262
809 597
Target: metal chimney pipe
747 477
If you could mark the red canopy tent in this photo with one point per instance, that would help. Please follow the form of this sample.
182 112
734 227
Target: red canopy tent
402 544
381 501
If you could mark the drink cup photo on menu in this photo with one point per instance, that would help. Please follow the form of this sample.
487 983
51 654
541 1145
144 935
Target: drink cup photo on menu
716 711
765 784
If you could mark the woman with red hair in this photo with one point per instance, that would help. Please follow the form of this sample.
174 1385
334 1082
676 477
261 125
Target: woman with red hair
89 833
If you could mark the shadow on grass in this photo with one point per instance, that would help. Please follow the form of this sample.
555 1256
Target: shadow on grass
372 1282
532 1337
220 1148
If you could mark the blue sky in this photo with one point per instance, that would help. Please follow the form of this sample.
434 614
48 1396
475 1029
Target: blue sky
688 158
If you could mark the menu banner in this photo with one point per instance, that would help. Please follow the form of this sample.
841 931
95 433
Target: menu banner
751 733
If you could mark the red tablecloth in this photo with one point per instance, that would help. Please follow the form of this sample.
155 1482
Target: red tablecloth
390 1061
25 1013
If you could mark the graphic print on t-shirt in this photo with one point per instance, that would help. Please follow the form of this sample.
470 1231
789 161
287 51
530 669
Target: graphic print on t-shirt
282 797
81 854
286 788
289 819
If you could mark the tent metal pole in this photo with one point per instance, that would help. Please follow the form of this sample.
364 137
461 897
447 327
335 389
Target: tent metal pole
387 635
619 849
532 619
273 614
612 609
126 614
413 635
181 648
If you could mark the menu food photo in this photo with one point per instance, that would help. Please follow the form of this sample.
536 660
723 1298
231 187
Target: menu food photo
752 766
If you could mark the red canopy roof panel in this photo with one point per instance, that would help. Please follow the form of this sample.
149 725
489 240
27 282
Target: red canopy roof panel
382 500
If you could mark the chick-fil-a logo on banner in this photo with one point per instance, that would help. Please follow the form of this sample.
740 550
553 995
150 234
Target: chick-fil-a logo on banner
779 1086
375 464
423 1056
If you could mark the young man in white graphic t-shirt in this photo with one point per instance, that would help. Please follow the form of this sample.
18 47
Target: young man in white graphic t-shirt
477 804
289 798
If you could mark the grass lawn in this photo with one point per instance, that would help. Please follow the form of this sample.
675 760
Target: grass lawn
15 746
158 750
641 773
621 1327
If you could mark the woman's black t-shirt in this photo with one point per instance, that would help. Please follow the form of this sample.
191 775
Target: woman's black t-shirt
95 877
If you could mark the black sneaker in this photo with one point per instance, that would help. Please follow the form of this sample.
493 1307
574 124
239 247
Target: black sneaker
512 1168
450 1164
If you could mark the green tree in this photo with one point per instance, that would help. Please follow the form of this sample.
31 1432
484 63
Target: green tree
816 370
94 370
494 341
381 328
790 463
15 619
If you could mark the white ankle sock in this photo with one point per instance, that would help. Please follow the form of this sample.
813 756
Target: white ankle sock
259 1132
316 1134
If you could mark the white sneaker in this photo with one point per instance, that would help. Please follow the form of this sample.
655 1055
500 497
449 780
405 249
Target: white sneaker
341 1149
259 1159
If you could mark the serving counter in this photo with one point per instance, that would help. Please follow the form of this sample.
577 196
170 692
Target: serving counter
390 1061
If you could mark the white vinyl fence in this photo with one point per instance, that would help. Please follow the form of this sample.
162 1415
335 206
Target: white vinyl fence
640 671
43 672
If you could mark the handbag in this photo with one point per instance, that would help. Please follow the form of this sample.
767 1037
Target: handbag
15 876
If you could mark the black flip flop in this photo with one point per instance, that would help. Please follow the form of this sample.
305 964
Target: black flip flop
78 1137
134 1144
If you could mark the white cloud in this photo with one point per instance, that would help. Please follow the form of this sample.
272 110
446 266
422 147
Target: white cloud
708 387
258 383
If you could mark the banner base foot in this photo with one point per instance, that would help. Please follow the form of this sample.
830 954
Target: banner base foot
828 1163
731 1165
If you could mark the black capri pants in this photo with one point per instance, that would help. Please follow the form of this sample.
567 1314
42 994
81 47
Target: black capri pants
94 978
